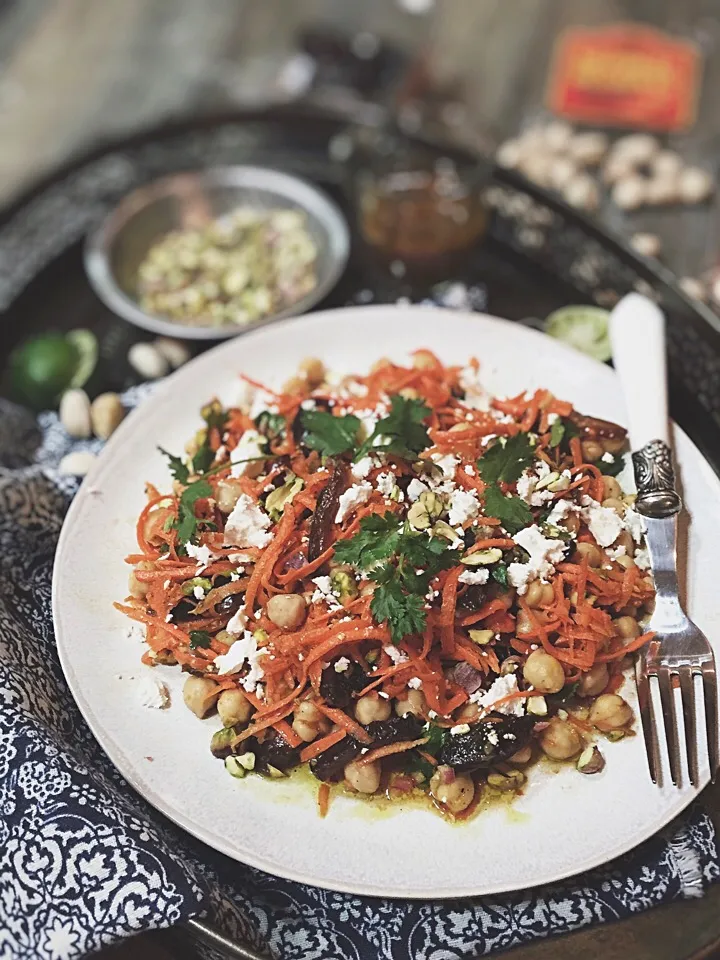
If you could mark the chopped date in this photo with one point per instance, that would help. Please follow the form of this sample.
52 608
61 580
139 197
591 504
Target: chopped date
487 743
325 509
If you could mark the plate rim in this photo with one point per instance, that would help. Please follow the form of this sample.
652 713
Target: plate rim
127 770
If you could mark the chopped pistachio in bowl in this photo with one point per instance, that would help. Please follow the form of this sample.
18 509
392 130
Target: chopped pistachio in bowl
206 255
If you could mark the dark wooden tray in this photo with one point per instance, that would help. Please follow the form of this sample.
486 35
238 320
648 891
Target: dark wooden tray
539 255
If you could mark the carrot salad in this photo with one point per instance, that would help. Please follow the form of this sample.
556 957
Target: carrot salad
397 579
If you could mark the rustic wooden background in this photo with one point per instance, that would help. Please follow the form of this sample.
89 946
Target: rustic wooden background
77 72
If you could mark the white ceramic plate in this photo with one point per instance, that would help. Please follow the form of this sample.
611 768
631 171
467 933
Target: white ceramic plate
564 824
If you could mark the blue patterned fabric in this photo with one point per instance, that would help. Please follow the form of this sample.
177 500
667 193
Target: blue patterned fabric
85 862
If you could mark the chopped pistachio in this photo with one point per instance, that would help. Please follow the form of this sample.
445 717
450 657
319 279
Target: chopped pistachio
537 706
481 558
343 584
481 637
188 588
590 760
235 768
247 760
277 499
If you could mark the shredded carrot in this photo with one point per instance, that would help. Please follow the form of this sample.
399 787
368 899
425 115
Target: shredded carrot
344 721
323 799
320 746
389 750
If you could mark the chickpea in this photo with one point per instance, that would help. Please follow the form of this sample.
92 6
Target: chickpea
365 778
594 681
313 369
523 625
308 721
200 695
424 360
287 610
414 704
227 494
539 594
544 672
560 740
611 488
381 364
627 627
295 385
590 552
523 755
592 450
625 540
613 444
234 707
409 393
572 523
614 504
457 795
610 712
137 589
372 707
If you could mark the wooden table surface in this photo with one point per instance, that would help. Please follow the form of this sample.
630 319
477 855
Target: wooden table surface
76 72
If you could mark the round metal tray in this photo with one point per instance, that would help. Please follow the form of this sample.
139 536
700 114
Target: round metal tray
539 255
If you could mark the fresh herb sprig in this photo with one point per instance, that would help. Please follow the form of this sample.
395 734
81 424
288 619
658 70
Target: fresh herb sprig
505 460
401 432
512 512
187 523
411 561
327 434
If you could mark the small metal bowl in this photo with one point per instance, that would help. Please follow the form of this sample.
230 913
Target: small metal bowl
115 251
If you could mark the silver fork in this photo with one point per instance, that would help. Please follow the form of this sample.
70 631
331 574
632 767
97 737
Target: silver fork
680 652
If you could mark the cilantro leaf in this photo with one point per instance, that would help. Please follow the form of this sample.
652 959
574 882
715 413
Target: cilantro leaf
570 430
403 612
203 458
611 468
215 418
436 738
177 467
187 522
506 461
512 512
199 638
376 540
499 574
327 434
557 432
402 431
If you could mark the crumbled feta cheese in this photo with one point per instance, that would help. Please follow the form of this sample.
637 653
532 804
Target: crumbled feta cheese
432 714
474 576
459 729
200 552
247 525
552 418
385 483
607 457
353 497
469 469
237 622
476 396
488 438
604 524
635 524
414 683
324 593
447 463
198 593
642 559
543 551
614 552
250 446
152 693
243 651
308 404
397 656
464 506
528 482
166 584
560 510
362 468
341 664
415 488
501 687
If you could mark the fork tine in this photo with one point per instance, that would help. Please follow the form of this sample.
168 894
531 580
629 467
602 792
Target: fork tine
667 699
687 687
646 717
711 714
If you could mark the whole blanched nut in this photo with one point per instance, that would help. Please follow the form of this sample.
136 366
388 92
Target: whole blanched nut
106 414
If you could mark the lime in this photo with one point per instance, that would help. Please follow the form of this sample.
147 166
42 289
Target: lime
41 369
86 347
582 327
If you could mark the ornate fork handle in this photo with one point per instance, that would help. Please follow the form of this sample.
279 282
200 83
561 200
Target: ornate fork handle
655 479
